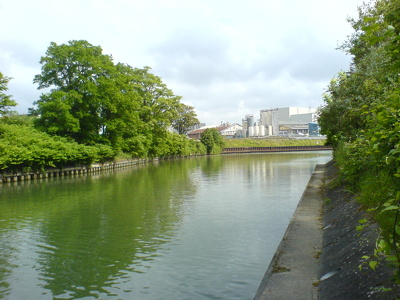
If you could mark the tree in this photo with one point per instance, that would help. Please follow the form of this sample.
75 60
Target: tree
361 119
351 95
6 102
185 120
93 100
90 99
74 73
158 106
212 140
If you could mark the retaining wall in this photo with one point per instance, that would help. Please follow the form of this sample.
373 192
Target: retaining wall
70 171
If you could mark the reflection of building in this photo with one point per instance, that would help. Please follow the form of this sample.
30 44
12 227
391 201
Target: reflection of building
282 121
227 130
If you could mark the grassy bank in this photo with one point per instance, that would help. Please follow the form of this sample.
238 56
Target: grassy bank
271 142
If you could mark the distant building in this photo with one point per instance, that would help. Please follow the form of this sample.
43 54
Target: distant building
231 130
171 129
313 129
288 120
227 130
247 122
280 121
293 128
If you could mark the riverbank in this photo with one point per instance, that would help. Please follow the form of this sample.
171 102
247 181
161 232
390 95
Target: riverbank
274 141
321 252
71 171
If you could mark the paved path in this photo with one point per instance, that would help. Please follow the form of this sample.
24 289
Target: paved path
294 268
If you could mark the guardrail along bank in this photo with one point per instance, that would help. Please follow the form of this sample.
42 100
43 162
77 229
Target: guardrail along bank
275 149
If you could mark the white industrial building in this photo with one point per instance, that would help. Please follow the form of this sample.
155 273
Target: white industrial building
286 121
230 130
280 121
227 130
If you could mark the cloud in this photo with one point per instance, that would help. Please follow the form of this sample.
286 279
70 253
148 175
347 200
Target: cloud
19 52
196 56
226 58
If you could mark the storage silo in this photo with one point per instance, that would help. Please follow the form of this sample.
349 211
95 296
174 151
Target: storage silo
251 131
261 130
256 131
269 130
244 128
250 120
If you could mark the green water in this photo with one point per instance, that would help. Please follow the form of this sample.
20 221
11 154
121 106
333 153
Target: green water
201 228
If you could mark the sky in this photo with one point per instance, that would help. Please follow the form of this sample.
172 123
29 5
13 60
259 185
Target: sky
226 58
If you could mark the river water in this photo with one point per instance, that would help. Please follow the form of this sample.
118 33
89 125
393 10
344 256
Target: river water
198 228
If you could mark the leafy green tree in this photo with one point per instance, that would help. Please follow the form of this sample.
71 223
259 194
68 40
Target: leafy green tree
212 140
158 103
158 107
341 116
185 120
207 139
93 100
6 102
361 118
351 94
86 93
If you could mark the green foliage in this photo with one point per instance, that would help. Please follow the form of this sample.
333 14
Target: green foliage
83 83
212 141
93 109
185 120
23 149
6 102
94 101
16 119
270 142
361 118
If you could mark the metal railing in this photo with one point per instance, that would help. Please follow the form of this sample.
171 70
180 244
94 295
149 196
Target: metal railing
274 149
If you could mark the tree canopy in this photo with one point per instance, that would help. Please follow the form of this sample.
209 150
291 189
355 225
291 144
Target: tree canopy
86 93
93 100
186 119
212 140
6 102
361 117
91 110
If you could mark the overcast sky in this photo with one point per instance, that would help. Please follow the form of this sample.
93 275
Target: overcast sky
227 58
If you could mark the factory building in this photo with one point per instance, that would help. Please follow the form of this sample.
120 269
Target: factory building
251 128
227 130
281 121
286 121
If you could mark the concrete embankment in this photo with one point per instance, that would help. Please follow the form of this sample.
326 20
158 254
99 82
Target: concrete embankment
343 248
321 252
294 268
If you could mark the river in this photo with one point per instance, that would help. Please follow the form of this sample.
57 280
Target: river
197 228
